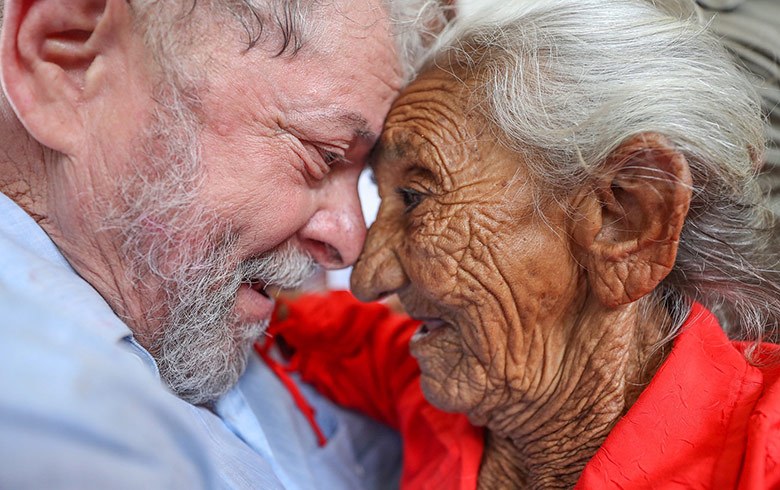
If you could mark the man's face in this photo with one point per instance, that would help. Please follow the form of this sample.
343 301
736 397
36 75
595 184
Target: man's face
283 146
240 191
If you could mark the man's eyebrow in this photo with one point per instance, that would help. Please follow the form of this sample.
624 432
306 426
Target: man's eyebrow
359 125
345 125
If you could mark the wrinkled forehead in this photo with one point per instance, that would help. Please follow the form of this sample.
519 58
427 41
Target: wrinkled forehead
434 113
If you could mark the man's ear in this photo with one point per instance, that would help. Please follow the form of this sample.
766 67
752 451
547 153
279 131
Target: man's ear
627 226
49 51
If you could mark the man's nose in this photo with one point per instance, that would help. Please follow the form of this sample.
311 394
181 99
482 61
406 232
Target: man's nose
378 272
334 235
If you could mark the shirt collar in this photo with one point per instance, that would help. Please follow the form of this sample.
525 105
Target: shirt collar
32 262
19 227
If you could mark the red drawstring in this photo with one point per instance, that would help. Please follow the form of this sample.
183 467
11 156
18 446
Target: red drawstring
282 373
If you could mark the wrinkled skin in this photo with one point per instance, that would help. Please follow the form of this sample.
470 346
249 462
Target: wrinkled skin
458 250
514 335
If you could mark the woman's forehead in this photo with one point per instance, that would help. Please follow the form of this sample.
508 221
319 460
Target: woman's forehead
433 111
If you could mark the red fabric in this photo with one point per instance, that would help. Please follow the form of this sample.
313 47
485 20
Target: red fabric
708 419
357 354
283 373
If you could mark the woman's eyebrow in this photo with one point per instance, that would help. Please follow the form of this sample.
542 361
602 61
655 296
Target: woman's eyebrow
384 151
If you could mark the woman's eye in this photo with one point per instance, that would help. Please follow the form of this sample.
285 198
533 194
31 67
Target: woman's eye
411 198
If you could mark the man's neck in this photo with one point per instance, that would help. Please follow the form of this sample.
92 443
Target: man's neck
22 177
32 177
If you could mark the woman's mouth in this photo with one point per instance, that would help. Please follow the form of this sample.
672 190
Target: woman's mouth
428 328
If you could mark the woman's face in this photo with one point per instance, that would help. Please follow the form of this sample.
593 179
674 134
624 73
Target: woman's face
460 238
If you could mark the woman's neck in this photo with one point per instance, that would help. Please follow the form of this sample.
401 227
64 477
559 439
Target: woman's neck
547 443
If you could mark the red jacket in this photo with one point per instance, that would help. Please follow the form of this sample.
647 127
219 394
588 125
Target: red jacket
708 419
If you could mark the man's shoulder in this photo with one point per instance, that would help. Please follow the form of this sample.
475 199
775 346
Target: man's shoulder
79 408
66 390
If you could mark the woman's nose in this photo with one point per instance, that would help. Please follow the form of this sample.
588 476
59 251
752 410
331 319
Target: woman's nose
378 272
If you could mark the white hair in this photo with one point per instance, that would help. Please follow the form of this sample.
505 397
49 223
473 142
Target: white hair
284 26
566 81
415 23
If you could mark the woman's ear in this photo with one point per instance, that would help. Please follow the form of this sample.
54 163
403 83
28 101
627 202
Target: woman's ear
627 226
48 52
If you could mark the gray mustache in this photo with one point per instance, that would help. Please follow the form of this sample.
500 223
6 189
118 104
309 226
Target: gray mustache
285 267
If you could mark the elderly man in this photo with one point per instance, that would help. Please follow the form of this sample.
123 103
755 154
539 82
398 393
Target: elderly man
163 163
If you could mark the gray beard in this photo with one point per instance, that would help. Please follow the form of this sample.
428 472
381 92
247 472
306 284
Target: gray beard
185 260
203 348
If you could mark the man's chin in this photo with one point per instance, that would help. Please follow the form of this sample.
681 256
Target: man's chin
200 369
211 386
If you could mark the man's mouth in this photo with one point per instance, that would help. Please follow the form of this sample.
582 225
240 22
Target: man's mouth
254 304
260 287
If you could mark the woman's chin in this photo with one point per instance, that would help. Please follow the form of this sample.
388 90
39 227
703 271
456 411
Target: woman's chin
438 397
444 391
444 366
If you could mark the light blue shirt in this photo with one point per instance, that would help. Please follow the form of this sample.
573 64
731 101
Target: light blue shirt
82 406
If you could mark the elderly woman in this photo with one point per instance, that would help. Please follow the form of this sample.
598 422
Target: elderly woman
569 210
